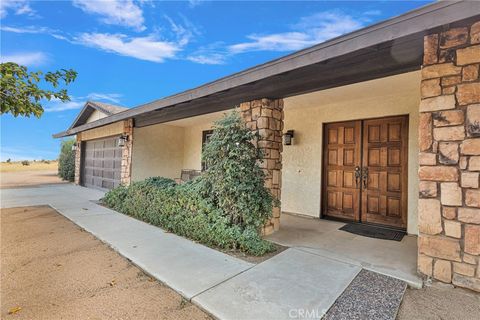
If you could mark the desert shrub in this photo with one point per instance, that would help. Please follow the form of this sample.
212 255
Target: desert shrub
66 160
25 163
225 207
9 160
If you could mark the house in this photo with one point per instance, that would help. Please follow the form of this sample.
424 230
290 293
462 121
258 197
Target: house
385 126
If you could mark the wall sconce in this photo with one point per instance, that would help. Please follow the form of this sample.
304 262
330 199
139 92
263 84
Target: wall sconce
122 140
75 146
288 138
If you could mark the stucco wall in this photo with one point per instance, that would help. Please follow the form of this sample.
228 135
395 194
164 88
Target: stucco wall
302 162
157 151
96 115
192 148
101 132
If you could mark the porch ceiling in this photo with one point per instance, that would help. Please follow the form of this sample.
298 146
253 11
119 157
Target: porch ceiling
387 48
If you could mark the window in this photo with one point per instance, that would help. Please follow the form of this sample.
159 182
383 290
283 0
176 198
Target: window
206 135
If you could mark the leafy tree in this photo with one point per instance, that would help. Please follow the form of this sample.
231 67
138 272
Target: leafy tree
21 94
234 181
66 160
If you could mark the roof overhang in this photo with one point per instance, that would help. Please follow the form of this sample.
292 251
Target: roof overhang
86 112
383 49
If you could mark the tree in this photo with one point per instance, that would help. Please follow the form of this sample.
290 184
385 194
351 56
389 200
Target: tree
21 94
66 160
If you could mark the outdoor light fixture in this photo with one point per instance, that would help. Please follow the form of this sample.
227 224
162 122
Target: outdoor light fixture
74 146
122 140
288 138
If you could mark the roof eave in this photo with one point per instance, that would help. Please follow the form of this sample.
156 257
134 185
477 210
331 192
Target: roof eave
420 20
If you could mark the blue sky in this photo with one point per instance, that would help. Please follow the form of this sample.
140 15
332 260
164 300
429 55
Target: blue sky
132 52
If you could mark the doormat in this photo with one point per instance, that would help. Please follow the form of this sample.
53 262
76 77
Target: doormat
369 296
373 232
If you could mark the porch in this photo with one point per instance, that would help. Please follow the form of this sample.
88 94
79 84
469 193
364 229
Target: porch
397 259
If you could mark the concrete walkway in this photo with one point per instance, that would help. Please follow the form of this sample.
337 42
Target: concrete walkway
289 284
397 259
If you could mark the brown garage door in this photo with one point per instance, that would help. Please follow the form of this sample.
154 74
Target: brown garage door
101 163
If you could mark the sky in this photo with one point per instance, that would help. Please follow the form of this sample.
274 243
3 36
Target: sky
131 52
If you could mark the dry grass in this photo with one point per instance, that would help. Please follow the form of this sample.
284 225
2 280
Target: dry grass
33 166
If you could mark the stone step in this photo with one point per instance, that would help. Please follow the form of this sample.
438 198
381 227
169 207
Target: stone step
369 296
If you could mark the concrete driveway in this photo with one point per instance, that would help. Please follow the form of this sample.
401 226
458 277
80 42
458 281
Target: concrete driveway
225 286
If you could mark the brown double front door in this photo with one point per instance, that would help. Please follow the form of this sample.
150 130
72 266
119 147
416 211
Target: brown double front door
365 171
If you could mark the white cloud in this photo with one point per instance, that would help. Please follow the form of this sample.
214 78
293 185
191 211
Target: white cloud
308 31
30 59
147 48
212 58
116 12
286 41
194 3
56 105
27 29
372 13
111 97
18 7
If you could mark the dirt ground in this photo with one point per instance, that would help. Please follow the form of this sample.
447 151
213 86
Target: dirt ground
51 269
440 301
32 166
15 179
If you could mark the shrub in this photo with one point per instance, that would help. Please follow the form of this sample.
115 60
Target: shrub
225 207
9 160
234 181
66 160
25 163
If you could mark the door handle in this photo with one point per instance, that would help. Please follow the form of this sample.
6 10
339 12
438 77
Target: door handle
365 177
358 176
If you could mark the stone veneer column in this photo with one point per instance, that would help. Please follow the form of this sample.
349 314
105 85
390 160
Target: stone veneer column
449 205
126 166
78 157
265 116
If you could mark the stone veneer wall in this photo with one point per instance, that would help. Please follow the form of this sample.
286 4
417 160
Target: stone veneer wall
265 116
449 205
78 158
126 164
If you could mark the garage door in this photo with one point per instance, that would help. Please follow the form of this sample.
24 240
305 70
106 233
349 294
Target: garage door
101 163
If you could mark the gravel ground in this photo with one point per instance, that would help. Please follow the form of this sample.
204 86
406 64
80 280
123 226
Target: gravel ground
51 269
369 296
440 301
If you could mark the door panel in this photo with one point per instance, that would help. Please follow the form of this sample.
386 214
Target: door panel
385 150
101 163
341 155
379 147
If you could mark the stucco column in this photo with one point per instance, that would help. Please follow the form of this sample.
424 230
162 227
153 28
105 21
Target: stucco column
449 205
126 166
265 116
78 157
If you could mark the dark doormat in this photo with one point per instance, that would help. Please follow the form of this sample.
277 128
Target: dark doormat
373 232
369 296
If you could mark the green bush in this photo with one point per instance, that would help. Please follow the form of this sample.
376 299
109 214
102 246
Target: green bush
25 163
66 160
225 207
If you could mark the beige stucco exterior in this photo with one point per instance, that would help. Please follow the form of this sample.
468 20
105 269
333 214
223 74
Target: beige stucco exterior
165 149
157 151
306 114
96 115
101 132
